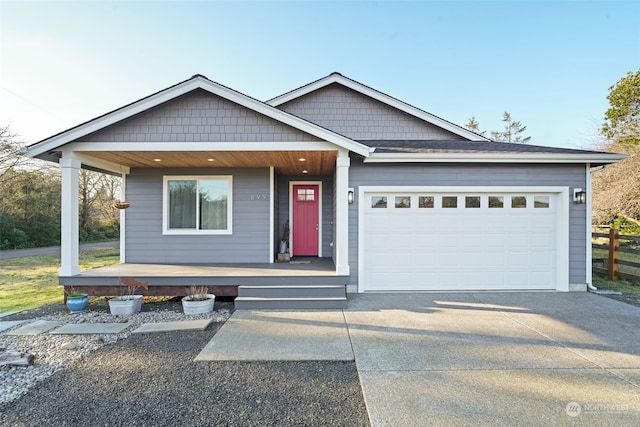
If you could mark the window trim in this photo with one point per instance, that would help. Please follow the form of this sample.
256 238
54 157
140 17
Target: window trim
195 232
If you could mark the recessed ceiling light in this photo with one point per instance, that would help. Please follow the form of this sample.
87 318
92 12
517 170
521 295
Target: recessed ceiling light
302 159
305 171
157 160
211 160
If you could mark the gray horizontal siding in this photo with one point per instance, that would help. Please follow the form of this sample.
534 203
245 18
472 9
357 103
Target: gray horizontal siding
475 175
199 116
145 243
358 116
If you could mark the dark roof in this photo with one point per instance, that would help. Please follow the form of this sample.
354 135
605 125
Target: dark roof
462 146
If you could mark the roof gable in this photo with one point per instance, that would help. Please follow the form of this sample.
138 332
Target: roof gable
196 82
199 116
360 117
291 101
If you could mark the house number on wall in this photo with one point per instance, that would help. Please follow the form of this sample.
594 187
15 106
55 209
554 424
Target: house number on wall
259 196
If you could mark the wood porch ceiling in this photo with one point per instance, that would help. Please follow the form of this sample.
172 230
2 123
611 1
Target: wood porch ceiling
284 162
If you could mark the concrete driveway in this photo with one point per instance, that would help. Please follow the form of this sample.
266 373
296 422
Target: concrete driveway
521 358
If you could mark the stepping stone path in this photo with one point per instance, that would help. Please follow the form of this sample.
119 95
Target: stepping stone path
7 313
8 324
35 328
90 328
181 325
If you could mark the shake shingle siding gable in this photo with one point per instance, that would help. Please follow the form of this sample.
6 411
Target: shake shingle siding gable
199 117
356 116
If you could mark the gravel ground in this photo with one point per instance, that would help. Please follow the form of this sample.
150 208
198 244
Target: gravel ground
152 380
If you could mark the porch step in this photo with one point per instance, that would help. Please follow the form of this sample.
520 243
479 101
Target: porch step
289 291
291 297
257 303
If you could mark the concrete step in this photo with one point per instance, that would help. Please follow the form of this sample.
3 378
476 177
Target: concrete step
315 291
260 303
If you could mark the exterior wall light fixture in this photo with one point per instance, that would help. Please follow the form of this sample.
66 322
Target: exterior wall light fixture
350 196
579 196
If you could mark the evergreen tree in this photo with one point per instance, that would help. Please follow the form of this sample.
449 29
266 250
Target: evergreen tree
622 119
512 131
474 126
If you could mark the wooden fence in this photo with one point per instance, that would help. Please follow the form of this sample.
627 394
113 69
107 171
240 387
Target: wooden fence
614 260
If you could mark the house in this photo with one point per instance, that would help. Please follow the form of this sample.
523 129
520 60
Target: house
372 193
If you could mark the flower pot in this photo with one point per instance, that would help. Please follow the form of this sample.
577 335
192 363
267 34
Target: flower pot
125 305
77 304
198 307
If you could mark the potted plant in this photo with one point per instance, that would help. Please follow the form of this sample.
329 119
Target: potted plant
76 301
198 301
128 302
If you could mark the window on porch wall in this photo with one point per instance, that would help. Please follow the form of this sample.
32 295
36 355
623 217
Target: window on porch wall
198 205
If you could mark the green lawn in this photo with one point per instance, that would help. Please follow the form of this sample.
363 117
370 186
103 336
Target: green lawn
621 285
32 282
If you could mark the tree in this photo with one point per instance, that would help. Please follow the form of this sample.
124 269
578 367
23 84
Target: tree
622 119
10 155
30 209
616 191
30 200
512 131
474 126
97 218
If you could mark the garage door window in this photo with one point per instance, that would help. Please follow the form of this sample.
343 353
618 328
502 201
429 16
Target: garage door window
449 201
403 202
541 202
378 202
496 201
425 202
518 202
472 202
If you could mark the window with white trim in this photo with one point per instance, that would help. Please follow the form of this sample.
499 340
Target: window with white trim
197 204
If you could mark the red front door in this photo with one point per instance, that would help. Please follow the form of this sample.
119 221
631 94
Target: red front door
306 224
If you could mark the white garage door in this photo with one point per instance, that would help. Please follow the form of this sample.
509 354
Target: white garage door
459 240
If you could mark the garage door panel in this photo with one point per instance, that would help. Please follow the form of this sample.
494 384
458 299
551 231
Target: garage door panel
460 248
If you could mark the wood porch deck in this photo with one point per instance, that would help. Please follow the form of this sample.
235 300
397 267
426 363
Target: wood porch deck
222 279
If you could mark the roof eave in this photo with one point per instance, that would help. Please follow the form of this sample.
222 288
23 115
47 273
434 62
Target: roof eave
595 159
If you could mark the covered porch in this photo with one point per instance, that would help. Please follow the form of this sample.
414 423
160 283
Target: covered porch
184 261
309 165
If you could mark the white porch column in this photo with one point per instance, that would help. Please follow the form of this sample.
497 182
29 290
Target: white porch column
123 218
342 212
69 239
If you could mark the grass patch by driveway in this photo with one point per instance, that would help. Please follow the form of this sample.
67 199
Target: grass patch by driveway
630 290
32 282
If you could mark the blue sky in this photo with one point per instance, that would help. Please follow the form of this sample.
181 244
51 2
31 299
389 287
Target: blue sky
548 63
